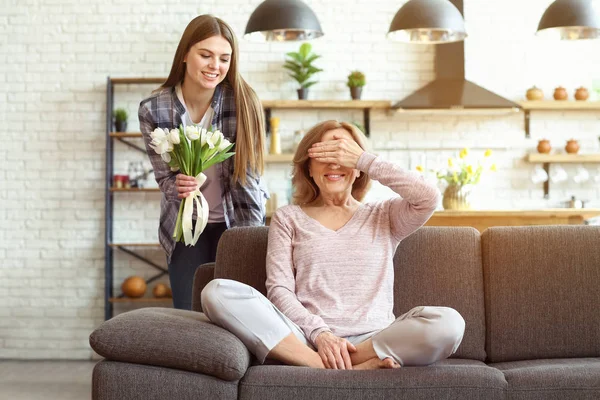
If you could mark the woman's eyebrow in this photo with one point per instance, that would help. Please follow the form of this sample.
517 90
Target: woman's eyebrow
207 50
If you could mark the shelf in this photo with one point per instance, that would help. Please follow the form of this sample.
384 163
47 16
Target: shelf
114 189
563 158
151 245
140 300
547 159
555 105
279 158
124 81
365 105
125 134
328 104
560 105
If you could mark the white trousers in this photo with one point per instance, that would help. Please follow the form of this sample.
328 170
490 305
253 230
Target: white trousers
421 336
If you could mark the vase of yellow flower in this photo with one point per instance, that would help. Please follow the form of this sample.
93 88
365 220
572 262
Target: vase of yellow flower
457 197
461 177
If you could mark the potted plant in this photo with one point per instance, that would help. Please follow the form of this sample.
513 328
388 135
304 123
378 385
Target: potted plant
121 116
356 81
301 69
461 177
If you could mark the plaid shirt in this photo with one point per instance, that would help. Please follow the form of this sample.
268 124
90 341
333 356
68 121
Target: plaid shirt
242 205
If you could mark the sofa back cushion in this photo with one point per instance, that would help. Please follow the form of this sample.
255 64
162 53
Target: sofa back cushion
241 256
441 266
542 291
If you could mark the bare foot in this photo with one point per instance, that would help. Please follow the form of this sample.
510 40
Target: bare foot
376 363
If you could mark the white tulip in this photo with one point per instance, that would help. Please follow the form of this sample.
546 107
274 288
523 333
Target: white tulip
211 139
224 144
159 134
203 134
174 136
166 157
191 132
159 146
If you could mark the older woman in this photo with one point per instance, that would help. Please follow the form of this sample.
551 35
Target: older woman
330 267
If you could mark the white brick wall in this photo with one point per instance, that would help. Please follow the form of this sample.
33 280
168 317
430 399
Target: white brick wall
54 60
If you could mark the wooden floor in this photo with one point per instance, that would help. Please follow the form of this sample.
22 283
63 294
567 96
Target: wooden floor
43 380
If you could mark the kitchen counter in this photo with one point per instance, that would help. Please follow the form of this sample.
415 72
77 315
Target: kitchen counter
482 219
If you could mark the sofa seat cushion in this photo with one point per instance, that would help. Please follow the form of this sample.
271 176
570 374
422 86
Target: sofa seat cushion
171 338
552 379
449 379
113 380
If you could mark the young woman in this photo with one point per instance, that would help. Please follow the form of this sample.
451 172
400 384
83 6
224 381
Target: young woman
204 88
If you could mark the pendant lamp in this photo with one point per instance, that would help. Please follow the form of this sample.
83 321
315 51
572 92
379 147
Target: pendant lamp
428 21
283 20
571 20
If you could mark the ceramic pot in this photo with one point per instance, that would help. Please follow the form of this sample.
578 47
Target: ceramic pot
534 94
457 197
572 146
121 126
302 93
544 146
356 92
582 94
560 93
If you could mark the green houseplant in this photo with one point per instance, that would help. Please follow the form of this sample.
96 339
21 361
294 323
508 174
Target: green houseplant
301 68
356 81
121 116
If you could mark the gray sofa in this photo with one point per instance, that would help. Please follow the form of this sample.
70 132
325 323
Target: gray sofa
530 297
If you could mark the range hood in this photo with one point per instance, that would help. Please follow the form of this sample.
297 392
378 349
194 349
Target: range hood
450 90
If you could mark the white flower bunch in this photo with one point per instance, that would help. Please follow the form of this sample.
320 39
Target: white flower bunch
191 150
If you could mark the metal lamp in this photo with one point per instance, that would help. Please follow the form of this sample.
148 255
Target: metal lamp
283 20
571 20
428 21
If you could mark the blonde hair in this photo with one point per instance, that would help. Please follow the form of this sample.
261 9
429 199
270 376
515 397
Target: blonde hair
250 122
306 190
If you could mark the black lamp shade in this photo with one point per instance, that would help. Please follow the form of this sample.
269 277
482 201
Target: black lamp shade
428 21
283 20
571 20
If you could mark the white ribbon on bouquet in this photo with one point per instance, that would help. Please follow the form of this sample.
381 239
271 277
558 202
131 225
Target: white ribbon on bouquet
187 223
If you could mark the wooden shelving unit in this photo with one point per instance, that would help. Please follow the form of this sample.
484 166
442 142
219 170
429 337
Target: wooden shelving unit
558 105
114 189
365 105
125 134
555 105
563 158
148 245
140 300
547 159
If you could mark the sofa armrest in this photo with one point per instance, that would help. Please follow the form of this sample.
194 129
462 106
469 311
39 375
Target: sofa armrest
171 338
204 274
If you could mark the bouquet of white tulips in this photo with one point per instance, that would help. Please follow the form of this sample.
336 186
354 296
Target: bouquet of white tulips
191 150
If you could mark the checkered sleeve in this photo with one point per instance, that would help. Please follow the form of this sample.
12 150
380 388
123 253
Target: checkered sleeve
162 172
249 201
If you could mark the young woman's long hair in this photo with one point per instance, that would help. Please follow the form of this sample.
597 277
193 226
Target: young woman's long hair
250 122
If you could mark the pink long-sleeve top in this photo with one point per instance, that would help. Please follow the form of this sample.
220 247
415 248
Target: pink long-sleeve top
342 281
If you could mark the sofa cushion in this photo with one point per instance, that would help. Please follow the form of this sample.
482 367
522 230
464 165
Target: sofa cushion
542 292
241 256
204 274
449 379
113 380
441 266
172 338
573 379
